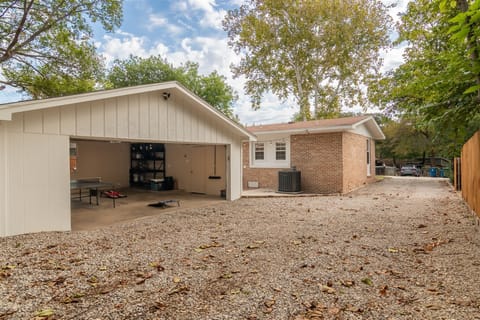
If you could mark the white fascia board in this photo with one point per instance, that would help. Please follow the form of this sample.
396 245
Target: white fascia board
372 126
307 130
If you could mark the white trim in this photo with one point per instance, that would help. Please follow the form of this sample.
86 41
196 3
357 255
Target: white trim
270 154
369 122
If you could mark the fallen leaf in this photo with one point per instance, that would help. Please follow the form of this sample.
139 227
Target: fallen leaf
180 289
159 305
198 249
334 310
347 283
157 266
269 303
45 313
8 267
328 289
354 309
367 281
383 290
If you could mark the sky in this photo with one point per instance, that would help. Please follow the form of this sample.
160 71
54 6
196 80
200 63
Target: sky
191 30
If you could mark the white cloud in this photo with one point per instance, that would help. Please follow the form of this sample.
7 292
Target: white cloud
392 58
213 19
156 20
205 5
121 45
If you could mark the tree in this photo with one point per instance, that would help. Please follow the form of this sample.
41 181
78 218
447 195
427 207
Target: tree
316 51
431 86
403 140
45 45
213 88
466 29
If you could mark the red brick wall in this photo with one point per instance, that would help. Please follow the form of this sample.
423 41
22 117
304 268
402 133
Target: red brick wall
329 162
319 158
266 177
355 161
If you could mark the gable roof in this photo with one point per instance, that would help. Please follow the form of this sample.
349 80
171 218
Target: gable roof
324 125
6 110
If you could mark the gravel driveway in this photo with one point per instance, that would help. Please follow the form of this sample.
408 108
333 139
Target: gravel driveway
403 248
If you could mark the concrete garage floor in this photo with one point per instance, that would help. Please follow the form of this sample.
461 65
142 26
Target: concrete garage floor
87 216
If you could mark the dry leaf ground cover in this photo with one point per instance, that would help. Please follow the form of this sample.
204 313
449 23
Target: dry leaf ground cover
397 249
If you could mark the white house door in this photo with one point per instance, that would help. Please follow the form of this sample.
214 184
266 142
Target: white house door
197 169
368 158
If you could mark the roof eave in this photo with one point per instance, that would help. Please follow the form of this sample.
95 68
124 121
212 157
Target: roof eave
306 130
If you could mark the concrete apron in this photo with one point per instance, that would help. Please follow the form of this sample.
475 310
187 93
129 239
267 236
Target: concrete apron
87 216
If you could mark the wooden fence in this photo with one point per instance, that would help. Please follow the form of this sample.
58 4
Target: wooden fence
470 172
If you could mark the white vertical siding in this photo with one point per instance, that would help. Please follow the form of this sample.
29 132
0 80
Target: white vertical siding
234 162
15 194
111 118
147 117
67 120
84 119
133 117
3 179
51 121
162 118
153 117
122 117
144 114
98 119
33 122
38 193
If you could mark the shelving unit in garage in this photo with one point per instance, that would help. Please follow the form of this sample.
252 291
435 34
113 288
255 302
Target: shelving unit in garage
147 162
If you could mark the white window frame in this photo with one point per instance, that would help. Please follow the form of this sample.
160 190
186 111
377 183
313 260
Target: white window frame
255 145
270 154
280 147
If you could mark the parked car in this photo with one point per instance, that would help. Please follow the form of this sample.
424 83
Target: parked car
410 170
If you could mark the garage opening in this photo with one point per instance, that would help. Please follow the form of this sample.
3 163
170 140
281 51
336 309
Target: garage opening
145 173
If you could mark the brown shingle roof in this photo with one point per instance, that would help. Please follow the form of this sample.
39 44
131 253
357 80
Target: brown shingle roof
313 124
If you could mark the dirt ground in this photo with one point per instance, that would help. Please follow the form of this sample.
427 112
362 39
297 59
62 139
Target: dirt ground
402 248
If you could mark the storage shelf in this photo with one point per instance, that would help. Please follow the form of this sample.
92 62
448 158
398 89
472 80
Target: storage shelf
147 161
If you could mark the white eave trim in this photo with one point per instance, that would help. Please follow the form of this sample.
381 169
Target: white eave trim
372 126
7 110
369 122
306 130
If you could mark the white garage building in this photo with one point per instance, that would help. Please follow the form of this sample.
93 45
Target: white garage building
36 138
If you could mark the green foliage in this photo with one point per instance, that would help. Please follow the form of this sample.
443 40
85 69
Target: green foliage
403 140
429 88
320 52
46 48
136 71
466 29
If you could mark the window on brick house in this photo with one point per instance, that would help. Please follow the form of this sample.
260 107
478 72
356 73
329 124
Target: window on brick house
273 153
259 151
280 151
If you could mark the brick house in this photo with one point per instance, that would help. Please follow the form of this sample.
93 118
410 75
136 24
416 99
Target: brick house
333 155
